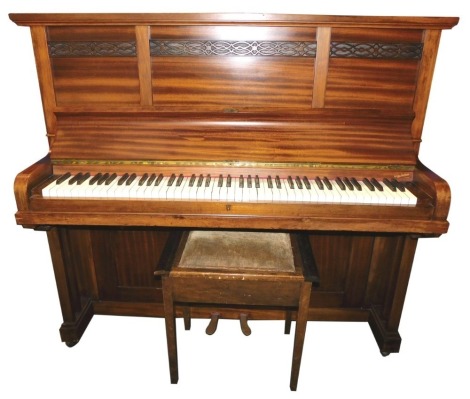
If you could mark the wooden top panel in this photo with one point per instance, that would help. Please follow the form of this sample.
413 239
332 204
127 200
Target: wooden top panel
273 19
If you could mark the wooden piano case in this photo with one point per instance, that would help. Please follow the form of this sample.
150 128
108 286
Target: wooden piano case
233 93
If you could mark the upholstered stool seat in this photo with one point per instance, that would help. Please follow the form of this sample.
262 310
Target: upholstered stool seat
244 270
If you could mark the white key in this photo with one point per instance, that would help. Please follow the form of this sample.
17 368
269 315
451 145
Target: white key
51 189
171 187
232 189
159 191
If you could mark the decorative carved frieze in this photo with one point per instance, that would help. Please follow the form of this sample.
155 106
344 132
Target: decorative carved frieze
376 50
232 48
201 48
92 49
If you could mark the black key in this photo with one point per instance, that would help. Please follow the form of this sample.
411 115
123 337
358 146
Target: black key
180 180
110 179
319 183
63 178
151 179
257 185
398 185
298 182
208 180
376 184
123 179
241 182
159 179
290 182
307 184
270 182
340 184
389 184
249 182
356 184
327 183
130 179
369 185
200 180
348 183
192 180
220 183
83 178
229 181
96 178
143 179
171 180
278 182
103 179
77 177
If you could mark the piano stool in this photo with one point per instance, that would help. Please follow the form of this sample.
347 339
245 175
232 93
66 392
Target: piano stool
237 269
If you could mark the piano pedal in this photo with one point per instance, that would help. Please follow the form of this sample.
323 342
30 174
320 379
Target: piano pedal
212 327
244 324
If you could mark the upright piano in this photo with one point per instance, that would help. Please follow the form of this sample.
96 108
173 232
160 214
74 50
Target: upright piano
158 122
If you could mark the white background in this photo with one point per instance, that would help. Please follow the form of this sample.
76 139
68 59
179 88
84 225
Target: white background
126 357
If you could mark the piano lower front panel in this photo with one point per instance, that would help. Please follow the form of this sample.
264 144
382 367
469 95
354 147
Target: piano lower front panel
110 270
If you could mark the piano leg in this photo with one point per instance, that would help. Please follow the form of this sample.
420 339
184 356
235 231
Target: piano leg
384 321
77 309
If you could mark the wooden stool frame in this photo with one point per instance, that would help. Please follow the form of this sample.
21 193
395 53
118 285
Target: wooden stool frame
249 288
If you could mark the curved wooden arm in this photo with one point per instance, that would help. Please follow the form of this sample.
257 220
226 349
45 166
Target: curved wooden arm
29 178
437 187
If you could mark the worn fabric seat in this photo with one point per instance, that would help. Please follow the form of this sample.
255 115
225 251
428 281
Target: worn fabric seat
221 270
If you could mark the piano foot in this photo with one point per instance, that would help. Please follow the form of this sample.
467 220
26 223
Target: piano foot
71 344
384 354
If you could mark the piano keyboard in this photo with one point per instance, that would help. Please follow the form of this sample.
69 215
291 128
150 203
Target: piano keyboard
244 188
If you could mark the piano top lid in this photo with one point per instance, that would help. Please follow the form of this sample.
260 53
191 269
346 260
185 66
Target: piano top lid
58 19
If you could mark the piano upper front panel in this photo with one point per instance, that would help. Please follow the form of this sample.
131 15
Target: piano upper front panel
227 83
93 65
378 68
230 67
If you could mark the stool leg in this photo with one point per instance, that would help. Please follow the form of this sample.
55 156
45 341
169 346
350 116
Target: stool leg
170 329
288 322
187 318
300 329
